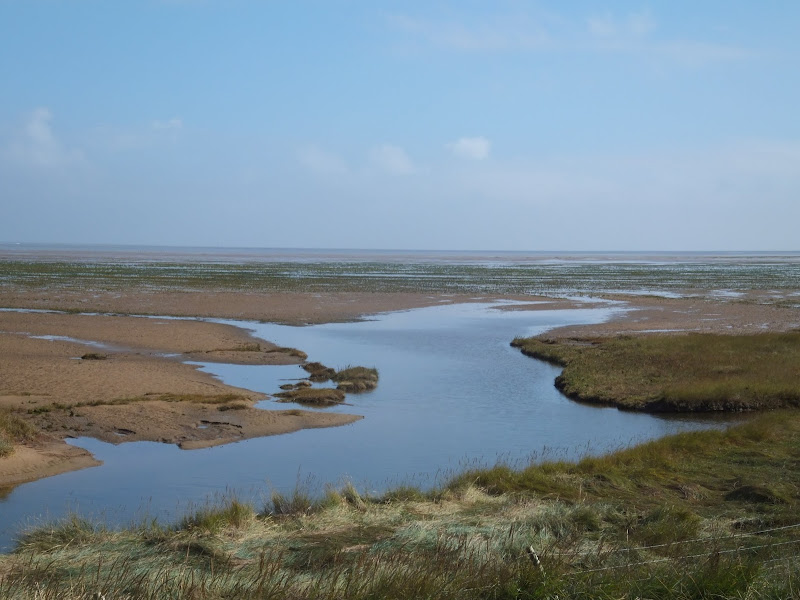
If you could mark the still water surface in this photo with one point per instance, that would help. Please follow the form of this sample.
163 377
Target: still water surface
452 394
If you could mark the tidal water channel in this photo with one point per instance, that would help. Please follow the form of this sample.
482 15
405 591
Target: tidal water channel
452 394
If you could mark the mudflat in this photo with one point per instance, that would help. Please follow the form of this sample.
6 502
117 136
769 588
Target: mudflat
132 383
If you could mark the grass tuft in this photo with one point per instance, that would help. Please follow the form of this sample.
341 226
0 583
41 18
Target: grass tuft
212 519
13 430
312 396
299 502
356 379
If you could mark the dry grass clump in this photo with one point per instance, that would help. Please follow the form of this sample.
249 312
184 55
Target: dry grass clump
291 352
318 372
349 379
13 430
356 379
312 396
696 372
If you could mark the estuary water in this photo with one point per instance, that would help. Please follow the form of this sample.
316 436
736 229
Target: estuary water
452 394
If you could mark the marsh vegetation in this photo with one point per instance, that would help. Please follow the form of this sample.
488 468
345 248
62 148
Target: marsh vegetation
677 373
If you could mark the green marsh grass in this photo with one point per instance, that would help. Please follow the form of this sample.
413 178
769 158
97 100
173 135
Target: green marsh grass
695 372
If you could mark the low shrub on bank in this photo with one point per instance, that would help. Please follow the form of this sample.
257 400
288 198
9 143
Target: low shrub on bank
695 372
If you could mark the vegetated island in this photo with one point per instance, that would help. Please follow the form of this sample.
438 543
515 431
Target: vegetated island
676 373
353 380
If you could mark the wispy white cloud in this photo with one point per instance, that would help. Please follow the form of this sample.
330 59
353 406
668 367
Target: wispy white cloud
391 159
37 145
172 124
321 161
500 34
475 148
702 53
607 32
632 33
140 136
634 25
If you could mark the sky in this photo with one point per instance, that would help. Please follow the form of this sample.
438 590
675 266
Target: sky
464 125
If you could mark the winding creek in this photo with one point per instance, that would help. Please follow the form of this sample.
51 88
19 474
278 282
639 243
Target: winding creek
452 394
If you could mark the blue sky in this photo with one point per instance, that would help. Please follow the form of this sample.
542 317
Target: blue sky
433 125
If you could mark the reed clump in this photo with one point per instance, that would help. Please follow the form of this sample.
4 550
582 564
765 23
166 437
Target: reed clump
677 373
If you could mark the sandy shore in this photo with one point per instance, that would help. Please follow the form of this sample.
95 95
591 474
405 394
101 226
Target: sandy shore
141 389
134 387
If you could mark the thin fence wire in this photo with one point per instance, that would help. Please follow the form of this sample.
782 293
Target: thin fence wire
696 540
702 554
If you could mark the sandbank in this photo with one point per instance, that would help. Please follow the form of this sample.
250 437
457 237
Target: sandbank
134 387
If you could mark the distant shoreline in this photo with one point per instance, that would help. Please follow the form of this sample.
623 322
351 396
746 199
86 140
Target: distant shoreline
37 251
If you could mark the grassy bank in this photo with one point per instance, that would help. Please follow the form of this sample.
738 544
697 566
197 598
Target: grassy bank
699 515
677 373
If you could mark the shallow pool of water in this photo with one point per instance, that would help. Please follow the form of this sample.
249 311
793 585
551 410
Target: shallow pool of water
452 394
